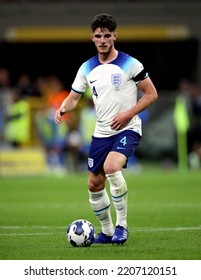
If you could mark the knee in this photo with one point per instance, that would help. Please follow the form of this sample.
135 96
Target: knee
95 184
109 168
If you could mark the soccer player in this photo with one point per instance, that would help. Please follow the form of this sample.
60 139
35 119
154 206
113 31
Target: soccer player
114 79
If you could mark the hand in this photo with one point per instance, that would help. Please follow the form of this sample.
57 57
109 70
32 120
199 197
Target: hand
58 116
120 121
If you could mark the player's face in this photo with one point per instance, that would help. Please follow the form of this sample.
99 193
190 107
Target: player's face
104 40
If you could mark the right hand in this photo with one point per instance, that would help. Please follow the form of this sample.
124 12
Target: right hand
58 116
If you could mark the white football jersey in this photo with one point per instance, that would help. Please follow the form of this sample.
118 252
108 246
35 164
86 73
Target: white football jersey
113 88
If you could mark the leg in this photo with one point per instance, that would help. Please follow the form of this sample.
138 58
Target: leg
100 204
119 193
118 188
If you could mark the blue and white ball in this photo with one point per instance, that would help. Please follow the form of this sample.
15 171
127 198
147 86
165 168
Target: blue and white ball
80 233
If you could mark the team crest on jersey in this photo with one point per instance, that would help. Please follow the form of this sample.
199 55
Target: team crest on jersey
90 162
116 79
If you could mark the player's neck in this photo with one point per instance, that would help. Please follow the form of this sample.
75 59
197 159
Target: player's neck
107 58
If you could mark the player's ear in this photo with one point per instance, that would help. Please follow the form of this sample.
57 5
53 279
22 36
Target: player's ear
115 36
92 37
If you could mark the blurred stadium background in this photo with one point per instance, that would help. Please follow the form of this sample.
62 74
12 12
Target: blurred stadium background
42 44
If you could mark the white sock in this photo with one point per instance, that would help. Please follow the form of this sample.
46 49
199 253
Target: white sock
100 203
119 192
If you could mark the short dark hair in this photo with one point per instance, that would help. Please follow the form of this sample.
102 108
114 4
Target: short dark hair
103 21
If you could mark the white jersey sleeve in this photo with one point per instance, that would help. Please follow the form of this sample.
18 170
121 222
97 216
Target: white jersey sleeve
113 88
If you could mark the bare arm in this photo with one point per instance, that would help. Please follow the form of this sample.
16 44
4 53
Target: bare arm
149 96
69 104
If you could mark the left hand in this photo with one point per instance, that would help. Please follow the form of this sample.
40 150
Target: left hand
120 121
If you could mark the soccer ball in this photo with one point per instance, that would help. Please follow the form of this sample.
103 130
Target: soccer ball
80 233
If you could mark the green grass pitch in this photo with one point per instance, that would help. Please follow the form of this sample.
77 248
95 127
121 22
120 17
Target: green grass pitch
164 218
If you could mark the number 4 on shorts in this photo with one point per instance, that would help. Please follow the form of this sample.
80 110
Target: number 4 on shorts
123 141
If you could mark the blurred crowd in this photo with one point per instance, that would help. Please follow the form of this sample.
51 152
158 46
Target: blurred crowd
27 119
192 95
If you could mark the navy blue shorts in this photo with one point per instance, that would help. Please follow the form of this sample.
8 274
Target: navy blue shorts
124 142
